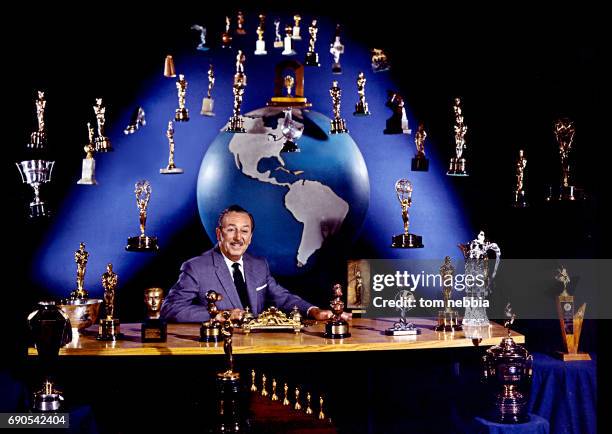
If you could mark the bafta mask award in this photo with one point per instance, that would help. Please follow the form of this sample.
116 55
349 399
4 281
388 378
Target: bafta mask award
292 131
398 122
336 327
420 163
260 44
88 171
296 28
457 165
507 369
108 330
448 319
564 133
520 201
361 108
182 113
312 57
571 323
336 49
38 139
154 328
103 143
34 173
171 168
142 242
404 301
403 189
479 286
288 50
81 257
240 24
380 62
208 102
169 70
278 43
338 125
202 45
226 37
136 121
236 123
210 331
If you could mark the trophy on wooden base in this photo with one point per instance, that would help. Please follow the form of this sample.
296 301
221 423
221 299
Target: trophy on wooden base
154 328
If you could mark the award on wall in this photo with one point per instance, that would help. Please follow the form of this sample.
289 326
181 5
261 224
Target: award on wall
226 37
289 86
338 124
380 62
403 189
108 329
154 328
336 49
142 242
564 133
208 103
361 108
38 139
520 200
171 168
88 171
398 122
236 122
296 28
336 327
420 163
278 42
202 45
240 24
182 113
260 44
288 50
103 143
312 57
457 165
570 320
358 278
34 173
136 121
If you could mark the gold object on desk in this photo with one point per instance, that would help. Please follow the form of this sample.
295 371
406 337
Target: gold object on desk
210 331
109 329
142 242
297 405
308 408
338 125
286 394
169 70
181 113
103 143
253 385
336 327
264 391
229 416
171 168
448 319
274 396
38 139
81 257
571 323
227 330
153 329
274 319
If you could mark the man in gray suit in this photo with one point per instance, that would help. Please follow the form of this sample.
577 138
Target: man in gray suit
242 279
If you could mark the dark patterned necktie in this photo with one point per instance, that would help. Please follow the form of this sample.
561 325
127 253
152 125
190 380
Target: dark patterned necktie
240 285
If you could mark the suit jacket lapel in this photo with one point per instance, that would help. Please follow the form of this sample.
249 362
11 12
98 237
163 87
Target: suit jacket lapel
225 278
250 282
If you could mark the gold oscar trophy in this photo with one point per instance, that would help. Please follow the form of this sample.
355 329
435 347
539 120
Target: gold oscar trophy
171 168
403 189
81 257
142 242
103 143
182 113
420 163
210 331
154 328
361 108
208 102
169 70
88 171
520 201
564 133
236 122
108 329
448 319
338 125
312 57
38 139
336 327
571 323
457 165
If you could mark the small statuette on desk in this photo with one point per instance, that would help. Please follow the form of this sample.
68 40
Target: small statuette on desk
108 329
448 319
404 302
154 328
336 327
210 331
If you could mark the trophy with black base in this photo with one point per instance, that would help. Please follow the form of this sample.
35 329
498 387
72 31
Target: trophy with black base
336 49
420 163
312 57
210 331
398 122
142 242
361 108
564 133
38 139
403 189
236 122
448 319
571 323
154 328
457 165
338 124
336 327
103 143
108 329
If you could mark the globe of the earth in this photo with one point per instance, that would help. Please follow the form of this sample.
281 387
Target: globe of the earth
303 202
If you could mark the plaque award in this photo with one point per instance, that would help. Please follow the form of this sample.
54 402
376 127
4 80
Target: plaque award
338 125
448 319
81 257
403 189
288 50
457 165
571 323
208 103
520 201
154 328
420 163
34 173
136 121
289 88
38 139
398 122
336 49
361 108
507 368
260 44
103 143
109 329
336 327
88 171
296 28
564 133
169 70
171 168
404 301
142 242
240 24
476 254
226 37
210 331
278 43
312 57
380 62
181 114
236 123
202 45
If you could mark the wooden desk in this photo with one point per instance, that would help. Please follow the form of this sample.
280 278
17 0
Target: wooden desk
367 335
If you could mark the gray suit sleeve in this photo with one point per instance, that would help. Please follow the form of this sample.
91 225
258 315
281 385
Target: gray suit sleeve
281 297
181 303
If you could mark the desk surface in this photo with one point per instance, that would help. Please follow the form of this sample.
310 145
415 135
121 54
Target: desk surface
367 335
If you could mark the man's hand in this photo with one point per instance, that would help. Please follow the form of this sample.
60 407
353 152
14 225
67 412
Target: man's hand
323 315
236 315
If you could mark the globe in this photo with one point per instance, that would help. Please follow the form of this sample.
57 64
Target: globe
303 202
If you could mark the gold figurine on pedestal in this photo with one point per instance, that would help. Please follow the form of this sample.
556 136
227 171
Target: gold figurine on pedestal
154 328
403 189
571 323
38 139
171 168
520 201
274 396
338 125
210 331
286 394
295 34
457 166
564 133
361 108
336 327
260 44
108 330
181 113
253 385
264 391
208 102
88 170
297 405
448 319
142 243
103 143
312 57
420 163
81 257
236 123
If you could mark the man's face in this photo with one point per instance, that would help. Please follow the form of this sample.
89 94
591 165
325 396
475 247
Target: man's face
235 234
153 300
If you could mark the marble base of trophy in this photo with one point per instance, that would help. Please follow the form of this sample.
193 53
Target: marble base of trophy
520 201
154 330
420 163
48 399
338 126
260 48
407 241
336 68
288 51
171 170
103 144
290 146
296 33
312 59
448 321
337 329
361 109
457 167
88 172
207 107
142 243
210 332
38 140
236 125
565 193
109 330
402 329
181 115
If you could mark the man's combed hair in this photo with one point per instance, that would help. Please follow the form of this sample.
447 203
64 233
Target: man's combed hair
235 208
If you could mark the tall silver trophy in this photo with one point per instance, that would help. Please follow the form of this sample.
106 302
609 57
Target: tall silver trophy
34 173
